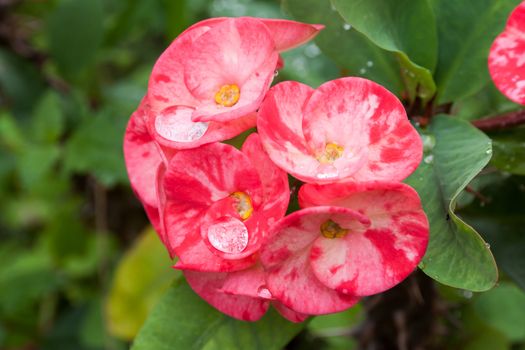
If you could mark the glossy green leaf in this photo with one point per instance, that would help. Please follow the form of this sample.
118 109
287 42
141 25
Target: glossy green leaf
509 150
499 218
466 30
141 278
96 148
502 308
456 254
352 51
75 31
405 27
182 320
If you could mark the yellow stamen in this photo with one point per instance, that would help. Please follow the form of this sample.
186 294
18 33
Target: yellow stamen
332 151
331 229
228 95
243 204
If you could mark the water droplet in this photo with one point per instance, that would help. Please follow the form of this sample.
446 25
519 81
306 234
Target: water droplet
312 50
467 294
487 245
362 71
347 26
228 235
429 141
369 63
489 151
327 171
264 293
276 73
429 159
175 124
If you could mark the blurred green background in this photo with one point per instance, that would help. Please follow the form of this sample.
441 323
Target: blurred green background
79 267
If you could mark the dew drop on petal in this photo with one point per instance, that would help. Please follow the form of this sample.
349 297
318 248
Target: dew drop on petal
264 293
228 235
175 124
327 171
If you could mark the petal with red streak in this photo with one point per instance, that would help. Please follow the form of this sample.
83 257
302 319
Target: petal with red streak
142 161
507 57
286 256
370 123
290 34
288 313
207 286
236 51
198 184
376 259
274 180
211 173
279 123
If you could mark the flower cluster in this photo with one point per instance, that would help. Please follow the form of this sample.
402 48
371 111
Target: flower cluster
222 211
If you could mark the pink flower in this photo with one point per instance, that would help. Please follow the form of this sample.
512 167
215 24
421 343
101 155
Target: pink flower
507 57
142 161
349 129
209 82
219 203
240 294
351 240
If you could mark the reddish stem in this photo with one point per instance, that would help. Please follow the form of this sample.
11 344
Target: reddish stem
500 122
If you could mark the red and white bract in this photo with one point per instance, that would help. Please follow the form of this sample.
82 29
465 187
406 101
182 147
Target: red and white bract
208 83
382 235
349 129
219 203
142 162
240 294
507 57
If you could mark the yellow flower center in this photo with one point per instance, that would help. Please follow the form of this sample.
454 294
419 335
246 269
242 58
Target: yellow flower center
243 204
228 95
331 229
332 151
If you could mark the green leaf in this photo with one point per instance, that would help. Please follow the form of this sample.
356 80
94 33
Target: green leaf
48 120
456 254
466 29
182 320
141 278
509 150
502 308
20 83
96 148
353 52
405 27
486 102
75 31
501 221
334 329
36 163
